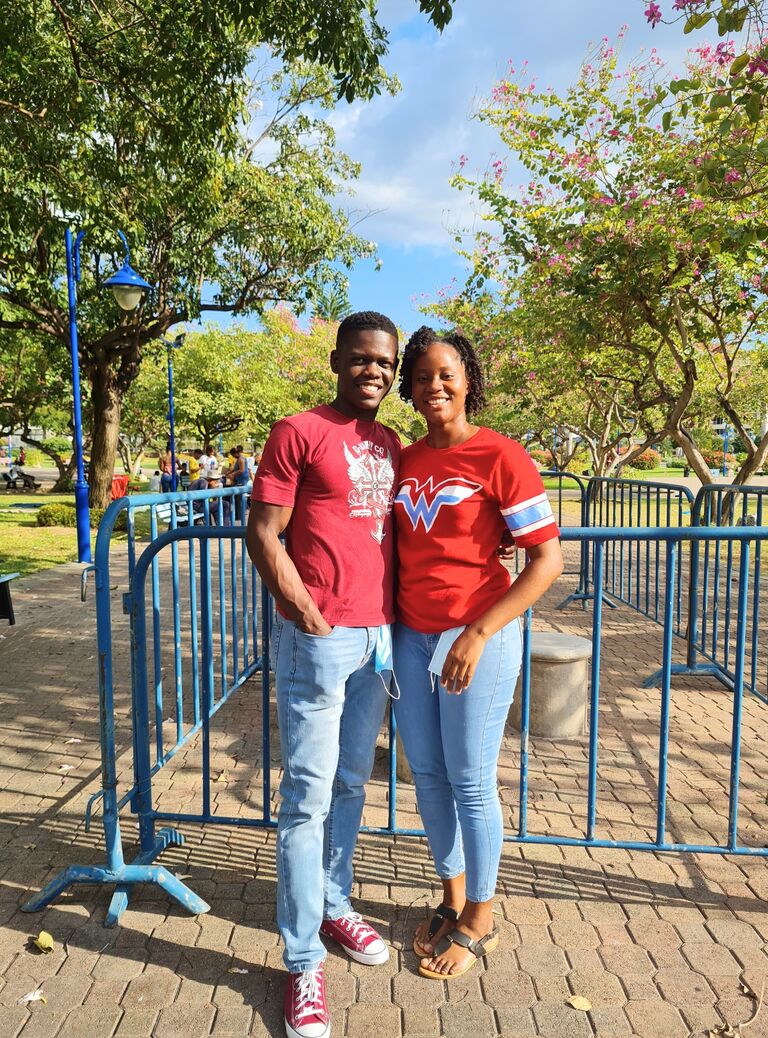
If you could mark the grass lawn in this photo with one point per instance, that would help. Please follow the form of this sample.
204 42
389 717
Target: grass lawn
26 547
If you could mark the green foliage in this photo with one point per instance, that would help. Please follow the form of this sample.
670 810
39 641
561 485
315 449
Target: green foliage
64 514
625 301
648 460
200 132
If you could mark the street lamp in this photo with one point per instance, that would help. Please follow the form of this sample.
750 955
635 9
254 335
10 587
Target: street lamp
128 287
170 346
726 434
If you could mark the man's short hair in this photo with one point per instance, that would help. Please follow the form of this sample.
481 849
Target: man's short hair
364 321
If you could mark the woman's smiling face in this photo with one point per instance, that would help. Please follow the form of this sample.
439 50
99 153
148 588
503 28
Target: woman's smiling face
439 384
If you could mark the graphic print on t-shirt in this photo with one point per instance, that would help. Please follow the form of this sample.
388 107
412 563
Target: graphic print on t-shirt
372 475
423 501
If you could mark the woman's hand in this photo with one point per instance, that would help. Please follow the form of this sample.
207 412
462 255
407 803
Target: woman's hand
462 660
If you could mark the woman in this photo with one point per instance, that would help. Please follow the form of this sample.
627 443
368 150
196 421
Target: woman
460 489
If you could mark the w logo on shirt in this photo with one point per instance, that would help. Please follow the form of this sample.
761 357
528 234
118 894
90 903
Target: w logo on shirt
422 501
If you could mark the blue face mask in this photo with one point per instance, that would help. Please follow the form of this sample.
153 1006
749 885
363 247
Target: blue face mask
382 659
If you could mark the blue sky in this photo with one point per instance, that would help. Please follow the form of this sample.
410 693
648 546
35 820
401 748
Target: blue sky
408 144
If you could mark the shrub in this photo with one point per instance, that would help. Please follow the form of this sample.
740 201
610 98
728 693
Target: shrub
63 514
542 458
714 459
649 459
677 463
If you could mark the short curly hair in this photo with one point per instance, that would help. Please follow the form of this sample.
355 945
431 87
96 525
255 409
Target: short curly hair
364 321
420 342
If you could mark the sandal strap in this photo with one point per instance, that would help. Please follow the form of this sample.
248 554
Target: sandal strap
465 941
441 912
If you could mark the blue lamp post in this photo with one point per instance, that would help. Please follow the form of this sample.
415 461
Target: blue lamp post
726 434
128 288
170 346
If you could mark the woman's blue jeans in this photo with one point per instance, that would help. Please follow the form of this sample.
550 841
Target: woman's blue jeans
452 743
330 705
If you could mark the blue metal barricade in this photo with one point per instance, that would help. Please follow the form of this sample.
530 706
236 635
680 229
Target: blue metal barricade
223 643
630 573
711 633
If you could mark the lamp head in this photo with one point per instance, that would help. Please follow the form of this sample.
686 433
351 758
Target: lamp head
127 287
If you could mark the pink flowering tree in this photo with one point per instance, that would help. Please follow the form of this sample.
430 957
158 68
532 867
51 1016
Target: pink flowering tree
733 90
612 256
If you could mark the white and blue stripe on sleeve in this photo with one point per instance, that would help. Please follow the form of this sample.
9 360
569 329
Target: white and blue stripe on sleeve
526 516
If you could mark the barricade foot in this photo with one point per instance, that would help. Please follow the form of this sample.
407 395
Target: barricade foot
654 681
584 597
165 838
124 877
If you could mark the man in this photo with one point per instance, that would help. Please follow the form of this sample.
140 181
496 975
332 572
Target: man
208 462
327 479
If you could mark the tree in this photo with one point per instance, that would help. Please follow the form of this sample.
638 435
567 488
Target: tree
153 123
30 397
332 305
619 259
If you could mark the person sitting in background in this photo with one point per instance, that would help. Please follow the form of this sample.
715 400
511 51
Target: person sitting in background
154 482
194 464
184 480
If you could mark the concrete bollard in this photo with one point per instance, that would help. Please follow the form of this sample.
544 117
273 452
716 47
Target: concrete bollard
559 683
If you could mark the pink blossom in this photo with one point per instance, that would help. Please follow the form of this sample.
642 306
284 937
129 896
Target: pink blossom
686 5
732 176
725 53
653 14
696 205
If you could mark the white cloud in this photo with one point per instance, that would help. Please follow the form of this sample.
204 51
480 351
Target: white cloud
408 144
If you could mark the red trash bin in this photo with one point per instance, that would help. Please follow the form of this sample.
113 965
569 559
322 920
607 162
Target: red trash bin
119 486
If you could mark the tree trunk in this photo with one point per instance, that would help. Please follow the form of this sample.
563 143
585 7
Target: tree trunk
106 401
65 469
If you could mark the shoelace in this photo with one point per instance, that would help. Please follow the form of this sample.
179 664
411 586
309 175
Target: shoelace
310 999
355 925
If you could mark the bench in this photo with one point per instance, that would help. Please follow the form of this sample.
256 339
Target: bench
6 604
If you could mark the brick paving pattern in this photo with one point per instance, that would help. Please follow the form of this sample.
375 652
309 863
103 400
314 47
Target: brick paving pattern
661 945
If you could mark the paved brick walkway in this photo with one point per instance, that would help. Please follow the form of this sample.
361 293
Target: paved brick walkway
658 944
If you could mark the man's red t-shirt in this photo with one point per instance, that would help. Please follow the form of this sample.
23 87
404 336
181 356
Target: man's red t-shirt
452 507
338 474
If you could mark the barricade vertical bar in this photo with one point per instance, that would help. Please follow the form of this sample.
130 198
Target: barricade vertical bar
666 691
756 596
244 586
235 609
206 638
131 543
727 622
738 696
392 791
594 692
193 620
177 631
648 554
157 659
693 589
266 754
140 703
222 600
525 711
716 578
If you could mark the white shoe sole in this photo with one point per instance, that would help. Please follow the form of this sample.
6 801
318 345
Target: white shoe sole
291 1033
366 958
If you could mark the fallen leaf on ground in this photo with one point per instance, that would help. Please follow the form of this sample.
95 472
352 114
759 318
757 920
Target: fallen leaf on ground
43 941
66 767
236 969
68 742
32 996
579 1002
30 846
221 777
747 990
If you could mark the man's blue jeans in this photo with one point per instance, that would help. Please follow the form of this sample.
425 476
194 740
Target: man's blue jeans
330 705
452 743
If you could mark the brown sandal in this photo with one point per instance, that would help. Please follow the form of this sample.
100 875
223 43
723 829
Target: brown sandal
441 913
478 948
